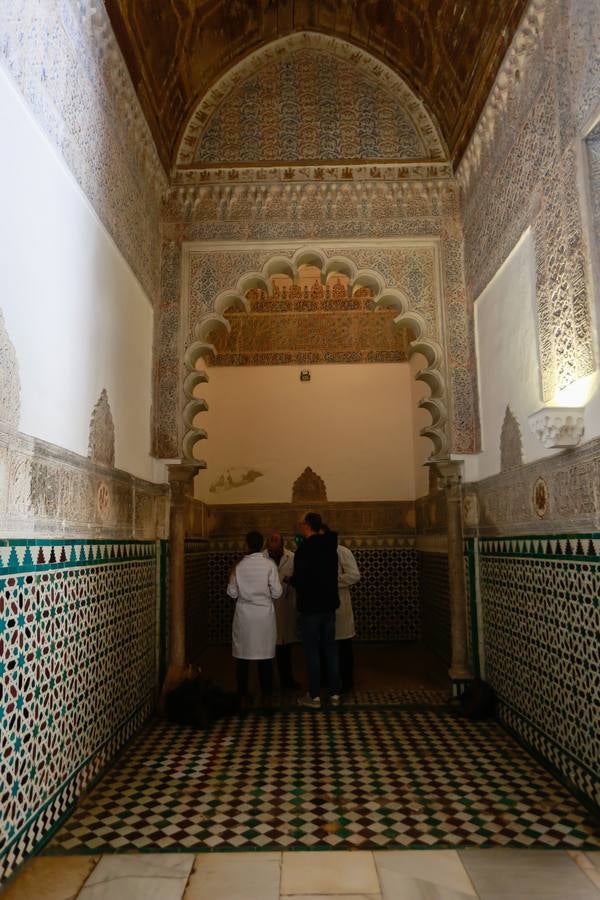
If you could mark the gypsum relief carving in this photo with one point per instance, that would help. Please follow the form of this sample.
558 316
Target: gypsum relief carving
201 349
10 384
101 444
309 487
511 448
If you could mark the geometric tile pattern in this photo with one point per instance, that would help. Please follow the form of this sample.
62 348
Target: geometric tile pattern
349 778
434 598
196 597
77 672
385 600
541 617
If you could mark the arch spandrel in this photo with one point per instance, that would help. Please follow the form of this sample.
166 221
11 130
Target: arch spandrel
307 98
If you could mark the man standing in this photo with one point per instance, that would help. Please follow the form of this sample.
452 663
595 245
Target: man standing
285 610
315 580
254 583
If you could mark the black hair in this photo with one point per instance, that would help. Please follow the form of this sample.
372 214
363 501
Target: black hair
314 521
325 528
254 540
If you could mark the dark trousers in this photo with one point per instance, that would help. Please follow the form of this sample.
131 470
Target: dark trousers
284 665
346 665
265 676
346 657
318 635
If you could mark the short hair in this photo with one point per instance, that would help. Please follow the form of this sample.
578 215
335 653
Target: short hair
325 528
314 521
254 540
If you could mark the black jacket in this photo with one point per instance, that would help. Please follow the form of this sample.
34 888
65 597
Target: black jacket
316 574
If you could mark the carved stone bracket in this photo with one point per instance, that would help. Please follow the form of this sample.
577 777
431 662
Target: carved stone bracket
556 427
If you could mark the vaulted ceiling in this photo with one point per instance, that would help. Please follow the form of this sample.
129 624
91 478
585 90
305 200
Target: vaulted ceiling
447 51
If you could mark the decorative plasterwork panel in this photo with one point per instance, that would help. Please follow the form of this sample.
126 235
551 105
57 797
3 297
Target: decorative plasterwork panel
45 490
10 385
522 169
511 448
261 217
101 445
65 60
404 277
309 488
308 97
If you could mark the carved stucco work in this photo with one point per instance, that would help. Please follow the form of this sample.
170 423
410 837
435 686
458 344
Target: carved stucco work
511 449
101 444
522 169
10 385
309 487
307 105
88 108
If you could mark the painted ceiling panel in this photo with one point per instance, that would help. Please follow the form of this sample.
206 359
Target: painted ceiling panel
447 51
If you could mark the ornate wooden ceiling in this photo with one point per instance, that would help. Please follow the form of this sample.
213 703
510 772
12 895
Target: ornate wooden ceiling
448 51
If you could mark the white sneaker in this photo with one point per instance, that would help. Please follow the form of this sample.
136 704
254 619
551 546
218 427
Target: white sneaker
310 702
335 699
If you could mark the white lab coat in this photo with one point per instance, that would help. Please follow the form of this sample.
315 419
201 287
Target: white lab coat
285 608
255 585
348 574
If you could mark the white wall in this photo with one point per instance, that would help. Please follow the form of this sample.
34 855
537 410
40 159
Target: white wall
74 311
507 355
352 424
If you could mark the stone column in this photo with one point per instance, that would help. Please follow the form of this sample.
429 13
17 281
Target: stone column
181 477
460 670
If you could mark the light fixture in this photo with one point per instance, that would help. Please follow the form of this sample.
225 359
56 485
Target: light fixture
558 427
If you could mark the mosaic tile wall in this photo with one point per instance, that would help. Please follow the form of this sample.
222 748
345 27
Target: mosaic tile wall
434 601
196 597
64 59
541 617
385 601
77 673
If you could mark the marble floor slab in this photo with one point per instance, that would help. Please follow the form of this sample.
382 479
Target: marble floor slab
235 876
50 878
526 874
328 873
138 877
423 875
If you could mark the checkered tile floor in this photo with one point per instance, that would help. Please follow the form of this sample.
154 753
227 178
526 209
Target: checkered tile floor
354 777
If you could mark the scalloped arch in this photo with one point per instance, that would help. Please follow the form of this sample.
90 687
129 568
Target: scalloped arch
433 375
404 102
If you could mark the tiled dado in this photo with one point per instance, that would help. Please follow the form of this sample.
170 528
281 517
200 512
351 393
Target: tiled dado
77 673
541 624
45 490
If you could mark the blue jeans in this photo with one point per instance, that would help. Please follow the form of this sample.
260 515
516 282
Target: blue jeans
318 636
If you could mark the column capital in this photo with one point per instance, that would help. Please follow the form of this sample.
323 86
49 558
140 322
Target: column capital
181 479
449 471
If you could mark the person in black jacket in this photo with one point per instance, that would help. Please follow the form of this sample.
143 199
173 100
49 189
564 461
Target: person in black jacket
316 582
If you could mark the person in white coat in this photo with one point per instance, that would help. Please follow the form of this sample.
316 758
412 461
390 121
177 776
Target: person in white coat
254 584
285 610
348 574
